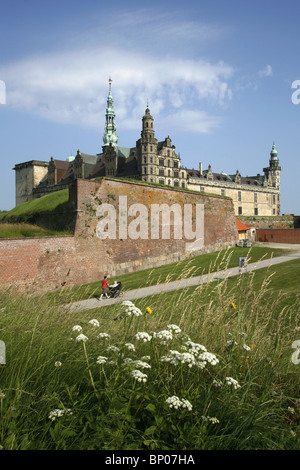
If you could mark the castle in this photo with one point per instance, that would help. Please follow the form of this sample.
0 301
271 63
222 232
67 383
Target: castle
151 161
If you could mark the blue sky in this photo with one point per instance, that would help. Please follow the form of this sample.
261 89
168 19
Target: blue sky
217 76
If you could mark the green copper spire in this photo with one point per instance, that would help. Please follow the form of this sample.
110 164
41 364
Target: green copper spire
110 136
274 152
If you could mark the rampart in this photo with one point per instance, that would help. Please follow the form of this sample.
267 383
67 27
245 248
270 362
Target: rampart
49 263
278 235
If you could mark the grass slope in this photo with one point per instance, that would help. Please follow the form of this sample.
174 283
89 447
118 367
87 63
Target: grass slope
49 212
196 266
242 393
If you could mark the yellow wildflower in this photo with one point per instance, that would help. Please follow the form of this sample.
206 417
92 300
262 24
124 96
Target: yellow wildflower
148 310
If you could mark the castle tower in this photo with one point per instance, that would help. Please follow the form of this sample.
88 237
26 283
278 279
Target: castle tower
110 136
147 149
272 172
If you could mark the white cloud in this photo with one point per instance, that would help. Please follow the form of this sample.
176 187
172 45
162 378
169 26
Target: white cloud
266 72
71 86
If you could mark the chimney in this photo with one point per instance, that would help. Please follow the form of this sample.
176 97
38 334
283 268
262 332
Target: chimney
200 169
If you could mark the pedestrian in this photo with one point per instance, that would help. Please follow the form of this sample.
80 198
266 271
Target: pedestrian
105 285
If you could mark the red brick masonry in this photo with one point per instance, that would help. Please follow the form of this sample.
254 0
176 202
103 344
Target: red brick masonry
278 235
48 263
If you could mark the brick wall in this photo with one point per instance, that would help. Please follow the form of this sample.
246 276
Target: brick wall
50 262
278 235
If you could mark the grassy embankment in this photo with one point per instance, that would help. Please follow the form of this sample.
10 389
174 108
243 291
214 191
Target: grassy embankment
241 393
197 266
45 216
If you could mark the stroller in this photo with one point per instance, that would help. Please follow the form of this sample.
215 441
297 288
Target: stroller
114 291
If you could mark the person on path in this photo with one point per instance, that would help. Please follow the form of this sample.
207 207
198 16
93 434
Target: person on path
105 285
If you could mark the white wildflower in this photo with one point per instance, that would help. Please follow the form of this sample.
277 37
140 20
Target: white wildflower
131 309
174 328
77 328
247 348
141 364
232 382
217 383
208 357
130 346
59 413
81 337
291 410
195 347
145 358
57 364
101 360
165 335
94 322
143 336
176 403
211 420
113 348
231 343
139 376
103 336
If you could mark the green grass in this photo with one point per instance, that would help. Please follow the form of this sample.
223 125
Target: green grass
105 408
28 230
50 212
170 272
48 203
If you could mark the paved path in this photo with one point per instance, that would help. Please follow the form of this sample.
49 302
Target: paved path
182 283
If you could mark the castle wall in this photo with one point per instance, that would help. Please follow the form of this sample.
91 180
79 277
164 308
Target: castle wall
261 201
48 263
278 235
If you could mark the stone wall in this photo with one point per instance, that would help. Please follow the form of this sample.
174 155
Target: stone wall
51 262
285 221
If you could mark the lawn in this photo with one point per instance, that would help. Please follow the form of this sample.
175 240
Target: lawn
209 368
196 266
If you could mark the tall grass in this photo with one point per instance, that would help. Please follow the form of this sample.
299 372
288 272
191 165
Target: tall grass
60 392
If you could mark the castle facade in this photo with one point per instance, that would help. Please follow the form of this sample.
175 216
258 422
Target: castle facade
151 161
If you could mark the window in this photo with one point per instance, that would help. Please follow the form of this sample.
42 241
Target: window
176 184
151 170
169 172
240 210
151 180
151 148
274 200
175 174
169 182
182 184
161 172
182 174
222 192
255 211
145 170
145 148
255 198
175 164
146 124
168 153
169 163
239 196
145 160
151 160
202 189
161 181
161 162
